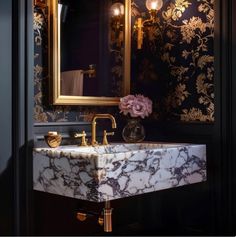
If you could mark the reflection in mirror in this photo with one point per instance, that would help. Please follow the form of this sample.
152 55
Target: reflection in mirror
91 47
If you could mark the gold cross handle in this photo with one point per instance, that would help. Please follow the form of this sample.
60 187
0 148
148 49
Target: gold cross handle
83 136
105 134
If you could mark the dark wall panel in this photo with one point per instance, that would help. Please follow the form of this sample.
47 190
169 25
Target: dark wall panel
5 118
234 113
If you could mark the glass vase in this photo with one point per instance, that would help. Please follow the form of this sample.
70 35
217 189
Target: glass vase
133 131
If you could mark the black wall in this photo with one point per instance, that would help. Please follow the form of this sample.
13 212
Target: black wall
224 129
233 165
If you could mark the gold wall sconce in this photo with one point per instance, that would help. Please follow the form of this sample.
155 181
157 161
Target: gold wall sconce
153 7
117 11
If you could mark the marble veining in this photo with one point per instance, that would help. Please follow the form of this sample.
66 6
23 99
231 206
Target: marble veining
117 171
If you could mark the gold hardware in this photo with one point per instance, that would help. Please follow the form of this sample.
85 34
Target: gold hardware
100 116
53 139
81 216
153 7
140 25
52 133
82 135
55 62
107 211
91 71
117 23
105 134
140 32
101 221
104 219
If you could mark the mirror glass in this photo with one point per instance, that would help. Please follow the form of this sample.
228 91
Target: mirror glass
90 46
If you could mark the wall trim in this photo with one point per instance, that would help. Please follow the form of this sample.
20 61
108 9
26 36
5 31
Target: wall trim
49 124
224 165
22 114
66 129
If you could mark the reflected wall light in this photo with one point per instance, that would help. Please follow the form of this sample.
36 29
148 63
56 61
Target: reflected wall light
153 7
117 22
40 3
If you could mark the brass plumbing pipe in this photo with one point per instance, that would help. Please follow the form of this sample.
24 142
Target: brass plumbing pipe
105 219
107 212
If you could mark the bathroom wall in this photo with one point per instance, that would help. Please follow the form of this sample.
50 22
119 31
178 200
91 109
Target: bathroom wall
43 110
177 208
6 144
176 71
175 64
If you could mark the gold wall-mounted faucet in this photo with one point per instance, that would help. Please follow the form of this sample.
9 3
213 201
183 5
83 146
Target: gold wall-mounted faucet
100 116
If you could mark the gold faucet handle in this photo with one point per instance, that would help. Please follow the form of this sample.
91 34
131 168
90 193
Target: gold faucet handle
105 134
83 136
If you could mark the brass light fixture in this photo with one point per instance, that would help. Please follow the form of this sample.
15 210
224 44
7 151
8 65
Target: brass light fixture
153 7
117 23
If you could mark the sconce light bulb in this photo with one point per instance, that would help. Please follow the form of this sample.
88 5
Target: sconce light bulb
116 12
117 9
154 4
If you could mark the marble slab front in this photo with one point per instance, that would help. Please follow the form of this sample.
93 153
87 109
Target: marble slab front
118 171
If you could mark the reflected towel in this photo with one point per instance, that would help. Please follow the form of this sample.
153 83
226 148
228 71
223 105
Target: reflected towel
72 83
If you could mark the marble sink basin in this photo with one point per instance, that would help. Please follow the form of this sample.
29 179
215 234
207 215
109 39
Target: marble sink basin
118 170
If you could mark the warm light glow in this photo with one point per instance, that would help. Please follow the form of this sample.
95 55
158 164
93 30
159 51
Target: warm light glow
117 9
154 4
116 12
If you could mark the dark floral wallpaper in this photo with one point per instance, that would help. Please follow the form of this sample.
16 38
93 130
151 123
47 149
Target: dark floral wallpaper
43 110
116 51
174 67
175 64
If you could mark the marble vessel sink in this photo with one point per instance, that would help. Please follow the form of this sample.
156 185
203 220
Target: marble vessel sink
118 170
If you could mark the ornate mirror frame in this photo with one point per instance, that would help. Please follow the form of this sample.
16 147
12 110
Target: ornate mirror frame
54 59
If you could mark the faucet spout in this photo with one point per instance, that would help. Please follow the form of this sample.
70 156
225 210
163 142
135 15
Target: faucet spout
100 116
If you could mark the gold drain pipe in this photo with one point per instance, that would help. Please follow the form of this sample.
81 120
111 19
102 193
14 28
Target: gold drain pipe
105 219
107 212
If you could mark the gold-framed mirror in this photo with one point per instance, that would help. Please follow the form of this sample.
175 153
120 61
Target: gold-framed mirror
90 44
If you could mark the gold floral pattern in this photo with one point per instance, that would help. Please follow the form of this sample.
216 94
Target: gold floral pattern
175 10
190 27
185 56
37 26
177 62
43 110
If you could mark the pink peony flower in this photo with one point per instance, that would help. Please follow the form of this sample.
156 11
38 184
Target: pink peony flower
136 106
126 104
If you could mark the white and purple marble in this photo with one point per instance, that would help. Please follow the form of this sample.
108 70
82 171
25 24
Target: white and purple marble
116 171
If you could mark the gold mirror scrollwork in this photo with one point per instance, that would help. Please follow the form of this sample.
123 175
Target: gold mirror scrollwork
55 62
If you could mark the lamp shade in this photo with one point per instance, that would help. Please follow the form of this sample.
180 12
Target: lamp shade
117 9
154 4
